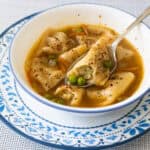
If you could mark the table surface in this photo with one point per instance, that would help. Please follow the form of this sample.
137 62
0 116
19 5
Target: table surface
11 11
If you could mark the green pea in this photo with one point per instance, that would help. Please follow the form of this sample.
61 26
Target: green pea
48 96
52 56
59 101
107 64
81 81
72 79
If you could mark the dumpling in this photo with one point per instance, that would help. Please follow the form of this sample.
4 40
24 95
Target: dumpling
115 87
123 53
92 63
67 58
97 31
57 44
47 76
72 95
88 40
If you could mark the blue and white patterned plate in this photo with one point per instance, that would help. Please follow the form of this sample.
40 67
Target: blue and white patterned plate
15 113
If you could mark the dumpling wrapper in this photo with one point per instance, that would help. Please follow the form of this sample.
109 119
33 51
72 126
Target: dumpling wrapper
115 87
123 53
56 44
48 77
68 57
92 63
88 40
72 95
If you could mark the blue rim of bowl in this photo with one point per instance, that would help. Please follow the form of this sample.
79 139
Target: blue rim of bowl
67 108
54 145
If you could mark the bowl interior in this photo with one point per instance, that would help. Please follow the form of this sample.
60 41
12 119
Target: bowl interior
77 14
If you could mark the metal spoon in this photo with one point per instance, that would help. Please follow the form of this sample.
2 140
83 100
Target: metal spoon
112 49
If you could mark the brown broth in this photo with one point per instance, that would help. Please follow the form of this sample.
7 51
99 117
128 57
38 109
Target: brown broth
135 62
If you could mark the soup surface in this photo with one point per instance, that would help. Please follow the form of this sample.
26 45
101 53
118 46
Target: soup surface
56 50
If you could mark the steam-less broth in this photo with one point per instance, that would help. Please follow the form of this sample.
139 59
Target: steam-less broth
54 52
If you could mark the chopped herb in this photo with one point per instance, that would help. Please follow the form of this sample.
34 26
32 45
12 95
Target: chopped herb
55 99
52 57
79 30
108 64
81 81
72 79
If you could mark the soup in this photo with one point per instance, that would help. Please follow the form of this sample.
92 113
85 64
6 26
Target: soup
85 46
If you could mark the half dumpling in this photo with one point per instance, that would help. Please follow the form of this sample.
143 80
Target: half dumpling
91 65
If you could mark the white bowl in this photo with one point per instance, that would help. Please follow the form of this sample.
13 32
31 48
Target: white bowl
70 15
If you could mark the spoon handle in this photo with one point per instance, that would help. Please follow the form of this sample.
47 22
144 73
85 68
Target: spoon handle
131 26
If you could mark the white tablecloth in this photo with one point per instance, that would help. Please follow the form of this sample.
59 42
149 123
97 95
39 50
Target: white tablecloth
12 10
